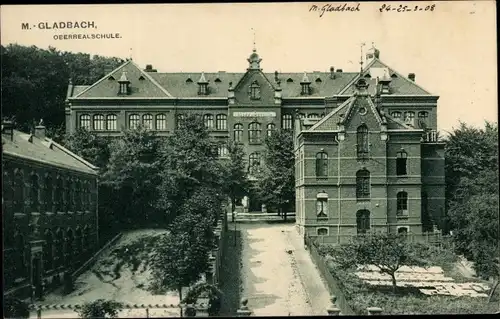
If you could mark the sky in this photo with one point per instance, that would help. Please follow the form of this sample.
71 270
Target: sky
451 49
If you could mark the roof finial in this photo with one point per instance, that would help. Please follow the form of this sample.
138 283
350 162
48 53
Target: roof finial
254 47
361 58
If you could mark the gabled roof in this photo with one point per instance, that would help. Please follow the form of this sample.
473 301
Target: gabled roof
330 121
399 85
107 87
45 151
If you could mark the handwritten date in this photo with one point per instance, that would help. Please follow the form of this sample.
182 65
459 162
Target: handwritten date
402 8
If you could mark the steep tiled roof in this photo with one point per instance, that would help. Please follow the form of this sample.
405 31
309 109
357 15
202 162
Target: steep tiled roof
45 151
184 84
330 121
399 84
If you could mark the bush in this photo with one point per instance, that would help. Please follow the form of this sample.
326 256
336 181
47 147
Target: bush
15 308
100 309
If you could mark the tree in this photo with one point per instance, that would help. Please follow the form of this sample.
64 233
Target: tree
236 183
388 252
276 181
472 195
15 308
188 161
181 256
89 146
100 308
133 172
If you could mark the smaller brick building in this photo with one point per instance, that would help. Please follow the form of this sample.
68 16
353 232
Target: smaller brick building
360 169
49 205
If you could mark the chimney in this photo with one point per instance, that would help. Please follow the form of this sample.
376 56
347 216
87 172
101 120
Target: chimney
332 72
40 130
411 76
339 70
149 68
8 129
276 76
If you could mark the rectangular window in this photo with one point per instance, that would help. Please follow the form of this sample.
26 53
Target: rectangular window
161 122
111 122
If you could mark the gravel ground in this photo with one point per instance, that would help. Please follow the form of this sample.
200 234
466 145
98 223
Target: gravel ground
279 279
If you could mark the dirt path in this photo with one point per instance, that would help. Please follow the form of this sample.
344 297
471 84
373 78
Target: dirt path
279 279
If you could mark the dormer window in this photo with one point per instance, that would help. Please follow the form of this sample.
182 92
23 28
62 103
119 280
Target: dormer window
289 80
318 80
305 83
124 84
111 78
189 80
255 91
141 78
202 85
217 80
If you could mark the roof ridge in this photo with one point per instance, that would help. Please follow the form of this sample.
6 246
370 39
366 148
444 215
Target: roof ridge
151 79
70 153
102 79
329 115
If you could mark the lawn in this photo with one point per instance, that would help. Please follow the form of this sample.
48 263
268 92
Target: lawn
410 300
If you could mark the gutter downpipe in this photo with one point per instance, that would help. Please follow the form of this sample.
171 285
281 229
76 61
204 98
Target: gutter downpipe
339 194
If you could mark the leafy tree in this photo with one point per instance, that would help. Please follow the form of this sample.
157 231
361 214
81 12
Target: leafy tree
236 183
182 255
90 146
189 161
388 252
276 183
133 172
35 81
211 291
100 308
472 195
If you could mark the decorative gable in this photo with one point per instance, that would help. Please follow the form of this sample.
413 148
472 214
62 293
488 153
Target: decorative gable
254 88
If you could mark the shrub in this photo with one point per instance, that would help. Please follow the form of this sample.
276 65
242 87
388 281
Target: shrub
15 308
100 309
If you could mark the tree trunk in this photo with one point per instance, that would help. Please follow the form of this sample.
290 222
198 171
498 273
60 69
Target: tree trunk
394 286
233 207
284 212
180 299
492 292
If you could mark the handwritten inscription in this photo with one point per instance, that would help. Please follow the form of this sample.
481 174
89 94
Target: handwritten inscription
334 8
254 114
402 8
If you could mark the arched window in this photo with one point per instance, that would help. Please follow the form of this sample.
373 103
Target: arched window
363 185
322 205
312 116
34 192
363 221
133 121
423 115
322 231
254 132
18 191
49 193
85 121
322 164
147 121
362 139
409 116
20 255
255 91
48 254
287 122
302 116
58 242
99 124
180 120
254 163
401 167
270 129
161 122
222 150
208 120
238 132
221 122
402 203
111 122
396 114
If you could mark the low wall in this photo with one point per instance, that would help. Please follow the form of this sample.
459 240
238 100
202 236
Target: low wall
333 285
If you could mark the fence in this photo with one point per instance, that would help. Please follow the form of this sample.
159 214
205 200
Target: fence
201 309
333 285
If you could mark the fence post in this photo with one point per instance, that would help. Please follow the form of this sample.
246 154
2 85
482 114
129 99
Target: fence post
244 311
374 311
333 310
147 312
39 312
